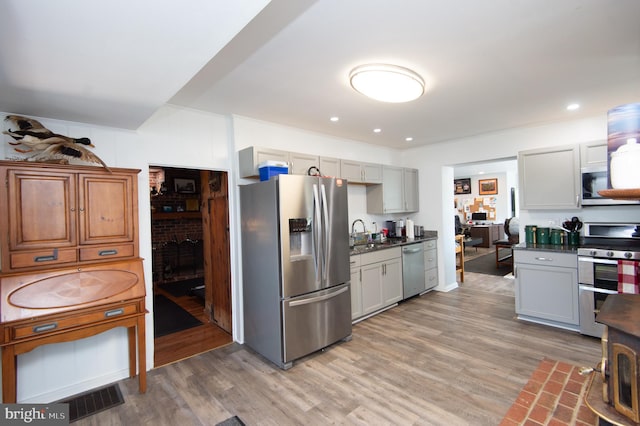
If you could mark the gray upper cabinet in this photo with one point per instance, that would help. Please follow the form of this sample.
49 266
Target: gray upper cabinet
299 164
593 154
550 178
250 157
359 172
330 167
397 194
411 193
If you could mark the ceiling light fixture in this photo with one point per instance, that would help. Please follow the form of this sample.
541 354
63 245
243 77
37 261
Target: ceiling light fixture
387 83
573 107
408 139
334 119
377 130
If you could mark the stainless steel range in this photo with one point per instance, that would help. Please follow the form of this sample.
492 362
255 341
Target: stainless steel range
604 244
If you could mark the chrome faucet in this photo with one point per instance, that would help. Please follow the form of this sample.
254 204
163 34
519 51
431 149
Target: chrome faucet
353 226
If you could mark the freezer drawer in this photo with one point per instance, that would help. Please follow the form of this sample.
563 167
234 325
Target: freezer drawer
314 321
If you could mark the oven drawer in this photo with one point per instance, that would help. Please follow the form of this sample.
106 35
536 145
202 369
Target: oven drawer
547 258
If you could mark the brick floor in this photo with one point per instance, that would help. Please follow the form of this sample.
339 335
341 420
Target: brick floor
553 396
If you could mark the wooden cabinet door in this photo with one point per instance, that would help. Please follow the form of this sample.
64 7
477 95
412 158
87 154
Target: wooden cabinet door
42 210
106 208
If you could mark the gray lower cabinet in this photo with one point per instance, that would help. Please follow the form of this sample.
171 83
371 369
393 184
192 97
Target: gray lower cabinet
376 281
546 287
430 264
356 287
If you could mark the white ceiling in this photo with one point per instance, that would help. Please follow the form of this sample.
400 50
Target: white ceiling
490 65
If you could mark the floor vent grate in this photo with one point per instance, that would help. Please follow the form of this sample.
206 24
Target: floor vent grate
92 402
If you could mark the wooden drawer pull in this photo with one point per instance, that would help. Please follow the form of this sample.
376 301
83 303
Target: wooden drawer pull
114 313
53 256
45 327
107 252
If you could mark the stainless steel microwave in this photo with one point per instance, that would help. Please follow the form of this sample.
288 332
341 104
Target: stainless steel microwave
594 179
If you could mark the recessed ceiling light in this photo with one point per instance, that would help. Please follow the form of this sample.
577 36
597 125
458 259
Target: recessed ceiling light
377 130
573 107
409 139
387 83
334 119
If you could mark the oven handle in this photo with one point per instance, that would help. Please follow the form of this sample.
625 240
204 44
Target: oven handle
596 289
597 260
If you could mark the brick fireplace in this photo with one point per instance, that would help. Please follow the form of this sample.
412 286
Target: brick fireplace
176 226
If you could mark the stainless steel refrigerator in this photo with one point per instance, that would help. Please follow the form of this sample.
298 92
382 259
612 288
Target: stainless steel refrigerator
295 266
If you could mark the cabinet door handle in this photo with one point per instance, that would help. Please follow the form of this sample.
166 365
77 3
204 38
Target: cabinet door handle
45 327
107 252
545 259
114 313
50 257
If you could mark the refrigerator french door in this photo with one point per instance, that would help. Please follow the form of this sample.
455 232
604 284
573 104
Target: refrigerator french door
295 256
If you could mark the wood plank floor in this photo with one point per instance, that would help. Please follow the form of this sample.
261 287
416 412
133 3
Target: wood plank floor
456 358
183 344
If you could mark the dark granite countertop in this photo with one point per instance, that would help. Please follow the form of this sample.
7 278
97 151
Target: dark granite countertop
547 247
393 242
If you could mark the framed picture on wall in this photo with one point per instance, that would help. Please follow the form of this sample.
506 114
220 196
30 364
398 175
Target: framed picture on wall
488 186
184 186
462 186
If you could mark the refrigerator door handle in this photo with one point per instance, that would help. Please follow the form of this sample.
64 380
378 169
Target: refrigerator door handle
317 299
326 226
316 232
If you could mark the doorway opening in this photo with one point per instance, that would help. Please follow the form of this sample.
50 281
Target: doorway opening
190 262
482 211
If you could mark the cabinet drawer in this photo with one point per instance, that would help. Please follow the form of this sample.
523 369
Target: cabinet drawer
546 258
106 252
64 322
43 258
430 259
430 244
380 256
354 261
431 278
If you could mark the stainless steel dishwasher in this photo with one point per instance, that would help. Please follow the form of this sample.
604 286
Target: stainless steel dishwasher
413 277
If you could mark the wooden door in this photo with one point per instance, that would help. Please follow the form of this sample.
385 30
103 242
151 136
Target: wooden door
42 209
217 263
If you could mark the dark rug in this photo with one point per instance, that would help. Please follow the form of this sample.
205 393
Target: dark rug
182 288
92 402
169 318
486 264
231 421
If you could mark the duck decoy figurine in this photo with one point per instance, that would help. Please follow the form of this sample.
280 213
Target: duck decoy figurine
45 144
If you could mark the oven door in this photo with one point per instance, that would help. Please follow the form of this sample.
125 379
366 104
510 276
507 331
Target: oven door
597 279
590 300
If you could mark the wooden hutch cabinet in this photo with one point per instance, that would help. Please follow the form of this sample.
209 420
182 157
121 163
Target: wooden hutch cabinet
70 265
59 216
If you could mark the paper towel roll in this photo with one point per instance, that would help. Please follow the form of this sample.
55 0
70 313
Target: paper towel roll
410 229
